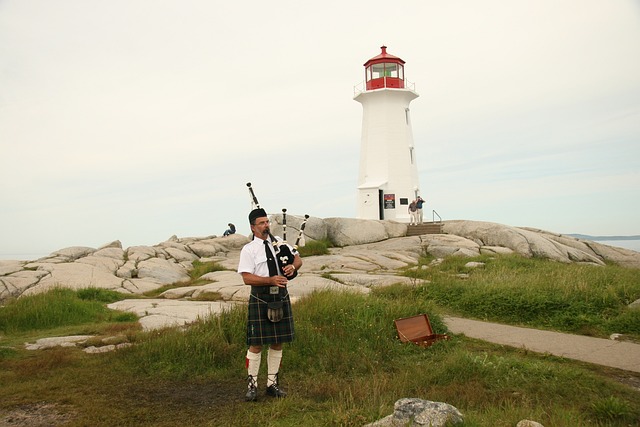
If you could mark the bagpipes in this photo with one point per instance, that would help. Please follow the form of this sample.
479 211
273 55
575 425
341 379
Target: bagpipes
284 255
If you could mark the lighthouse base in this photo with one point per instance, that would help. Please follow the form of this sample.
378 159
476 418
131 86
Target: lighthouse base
375 202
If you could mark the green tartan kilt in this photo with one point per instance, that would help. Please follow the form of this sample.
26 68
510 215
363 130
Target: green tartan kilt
260 330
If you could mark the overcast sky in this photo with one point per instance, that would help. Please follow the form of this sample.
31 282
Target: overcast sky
138 120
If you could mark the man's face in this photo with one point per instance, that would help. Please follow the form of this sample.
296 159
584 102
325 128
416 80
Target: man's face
261 227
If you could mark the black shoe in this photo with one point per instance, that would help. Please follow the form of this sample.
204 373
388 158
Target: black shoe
252 395
252 392
274 391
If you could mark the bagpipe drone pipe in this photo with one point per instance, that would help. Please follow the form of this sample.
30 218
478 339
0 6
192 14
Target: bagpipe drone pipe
284 255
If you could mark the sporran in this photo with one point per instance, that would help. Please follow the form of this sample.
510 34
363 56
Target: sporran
275 312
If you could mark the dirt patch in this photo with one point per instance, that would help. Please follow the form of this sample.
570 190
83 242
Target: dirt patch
39 414
194 393
632 380
176 397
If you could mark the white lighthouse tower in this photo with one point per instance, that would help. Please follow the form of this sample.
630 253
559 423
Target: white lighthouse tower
388 177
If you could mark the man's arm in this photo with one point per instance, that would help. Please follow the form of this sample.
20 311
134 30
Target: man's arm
297 262
253 280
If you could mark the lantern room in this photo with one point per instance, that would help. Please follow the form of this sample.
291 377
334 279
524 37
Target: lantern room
384 71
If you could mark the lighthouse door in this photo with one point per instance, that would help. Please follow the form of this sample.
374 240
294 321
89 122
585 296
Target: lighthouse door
381 204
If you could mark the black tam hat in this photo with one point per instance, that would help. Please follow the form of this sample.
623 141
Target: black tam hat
256 213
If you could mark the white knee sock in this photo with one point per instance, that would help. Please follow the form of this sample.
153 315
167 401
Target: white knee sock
253 364
274 357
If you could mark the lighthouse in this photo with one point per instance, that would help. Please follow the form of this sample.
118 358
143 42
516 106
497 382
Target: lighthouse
388 175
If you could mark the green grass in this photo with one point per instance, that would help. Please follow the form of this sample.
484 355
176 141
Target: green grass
201 268
346 366
315 247
60 307
584 299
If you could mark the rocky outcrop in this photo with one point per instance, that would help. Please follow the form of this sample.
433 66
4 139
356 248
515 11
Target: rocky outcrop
135 270
532 242
367 249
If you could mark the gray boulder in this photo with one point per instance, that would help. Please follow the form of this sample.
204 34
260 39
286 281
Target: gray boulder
418 412
17 282
10 266
349 231
141 253
528 423
74 275
162 271
218 246
72 253
314 229
444 245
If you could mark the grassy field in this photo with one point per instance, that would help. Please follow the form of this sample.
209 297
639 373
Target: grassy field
346 366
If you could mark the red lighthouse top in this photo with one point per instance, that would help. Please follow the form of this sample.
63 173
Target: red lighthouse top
384 70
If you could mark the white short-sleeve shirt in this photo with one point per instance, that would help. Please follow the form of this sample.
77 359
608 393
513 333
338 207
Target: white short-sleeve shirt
253 258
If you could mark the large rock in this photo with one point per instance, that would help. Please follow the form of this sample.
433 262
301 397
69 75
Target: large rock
162 271
227 283
349 231
314 229
72 253
162 313
141 253
74 275
217 246
444 245
10 266
181 255
340 231
17 282
418 412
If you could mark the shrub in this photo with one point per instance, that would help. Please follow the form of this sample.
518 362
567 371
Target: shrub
100 295
612 409
315 247
201 268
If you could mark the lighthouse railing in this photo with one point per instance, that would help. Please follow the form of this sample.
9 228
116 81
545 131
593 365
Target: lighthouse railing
359 88
362 87
409 85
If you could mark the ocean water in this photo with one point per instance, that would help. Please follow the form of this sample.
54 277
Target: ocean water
634 245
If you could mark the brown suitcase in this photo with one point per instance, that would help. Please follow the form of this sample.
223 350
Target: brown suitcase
417 329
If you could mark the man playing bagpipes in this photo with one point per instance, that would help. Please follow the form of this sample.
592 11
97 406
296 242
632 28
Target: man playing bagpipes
270 319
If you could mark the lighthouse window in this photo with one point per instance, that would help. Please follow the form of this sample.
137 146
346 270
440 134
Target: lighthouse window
377 71
388 69
391 70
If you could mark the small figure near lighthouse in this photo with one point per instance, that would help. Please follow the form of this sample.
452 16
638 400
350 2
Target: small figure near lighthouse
388 176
